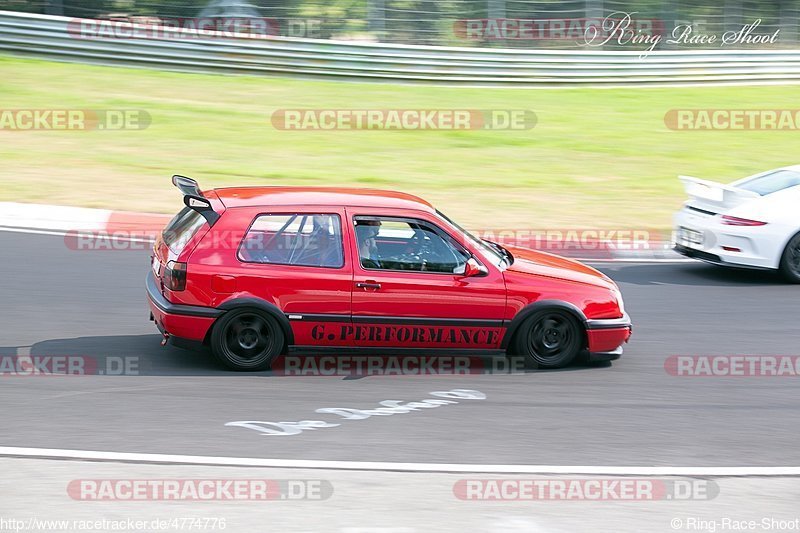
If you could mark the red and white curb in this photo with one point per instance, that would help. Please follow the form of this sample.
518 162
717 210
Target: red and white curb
60 219
127 226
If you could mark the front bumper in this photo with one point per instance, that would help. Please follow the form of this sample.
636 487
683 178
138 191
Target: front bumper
606 337
184 321
598 357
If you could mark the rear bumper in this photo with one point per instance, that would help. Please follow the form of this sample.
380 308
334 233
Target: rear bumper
715 259
606 337
185 321
717 243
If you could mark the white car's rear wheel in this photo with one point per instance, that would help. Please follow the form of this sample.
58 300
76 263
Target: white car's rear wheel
790 260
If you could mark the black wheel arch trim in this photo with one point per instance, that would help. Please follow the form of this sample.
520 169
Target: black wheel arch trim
531 308
263 305
588 323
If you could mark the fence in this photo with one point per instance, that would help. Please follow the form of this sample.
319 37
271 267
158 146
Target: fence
433 21
55 38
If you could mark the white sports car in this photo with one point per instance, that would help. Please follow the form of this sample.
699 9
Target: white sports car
753 222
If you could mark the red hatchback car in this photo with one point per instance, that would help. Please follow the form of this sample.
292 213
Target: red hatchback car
252 271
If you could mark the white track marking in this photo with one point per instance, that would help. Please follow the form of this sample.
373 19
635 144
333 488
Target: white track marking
73 234
32 231
632 260
453 468
514 524
102 391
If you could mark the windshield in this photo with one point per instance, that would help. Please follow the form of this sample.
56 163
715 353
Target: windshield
489 253
772 182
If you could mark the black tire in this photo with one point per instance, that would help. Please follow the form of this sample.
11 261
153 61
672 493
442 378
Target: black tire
790 260
550 338
246 339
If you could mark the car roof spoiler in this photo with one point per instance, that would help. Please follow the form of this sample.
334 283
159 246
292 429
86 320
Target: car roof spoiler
193 198
715 193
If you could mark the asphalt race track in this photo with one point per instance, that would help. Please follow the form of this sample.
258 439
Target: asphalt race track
58 301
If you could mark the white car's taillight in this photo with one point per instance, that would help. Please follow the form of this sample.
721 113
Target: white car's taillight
736 221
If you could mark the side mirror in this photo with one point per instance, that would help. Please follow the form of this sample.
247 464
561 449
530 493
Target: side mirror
472 268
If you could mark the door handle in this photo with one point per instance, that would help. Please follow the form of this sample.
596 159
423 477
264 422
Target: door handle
368 285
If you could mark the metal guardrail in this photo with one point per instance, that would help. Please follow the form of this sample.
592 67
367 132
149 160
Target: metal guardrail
54 38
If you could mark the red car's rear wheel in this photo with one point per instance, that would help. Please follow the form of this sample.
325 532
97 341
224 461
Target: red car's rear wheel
246 339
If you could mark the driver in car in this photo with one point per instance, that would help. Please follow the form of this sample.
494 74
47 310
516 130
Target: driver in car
366 231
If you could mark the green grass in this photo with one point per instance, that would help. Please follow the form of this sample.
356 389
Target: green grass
598 158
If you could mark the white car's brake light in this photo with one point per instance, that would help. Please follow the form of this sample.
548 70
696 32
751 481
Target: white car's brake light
736 221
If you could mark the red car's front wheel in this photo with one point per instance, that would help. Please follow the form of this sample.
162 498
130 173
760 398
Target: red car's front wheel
549 338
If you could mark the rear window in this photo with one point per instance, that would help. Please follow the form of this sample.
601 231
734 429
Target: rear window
295 239
772 182
182 228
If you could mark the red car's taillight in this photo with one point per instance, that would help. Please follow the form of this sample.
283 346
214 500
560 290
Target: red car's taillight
736 221
175 276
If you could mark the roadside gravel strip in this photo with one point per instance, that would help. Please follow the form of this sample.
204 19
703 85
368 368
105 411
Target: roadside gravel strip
40 492
124 227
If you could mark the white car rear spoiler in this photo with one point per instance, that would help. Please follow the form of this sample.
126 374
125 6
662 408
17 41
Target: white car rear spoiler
717 194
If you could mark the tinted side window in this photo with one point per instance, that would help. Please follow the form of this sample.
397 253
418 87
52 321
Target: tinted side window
294 239
392 244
